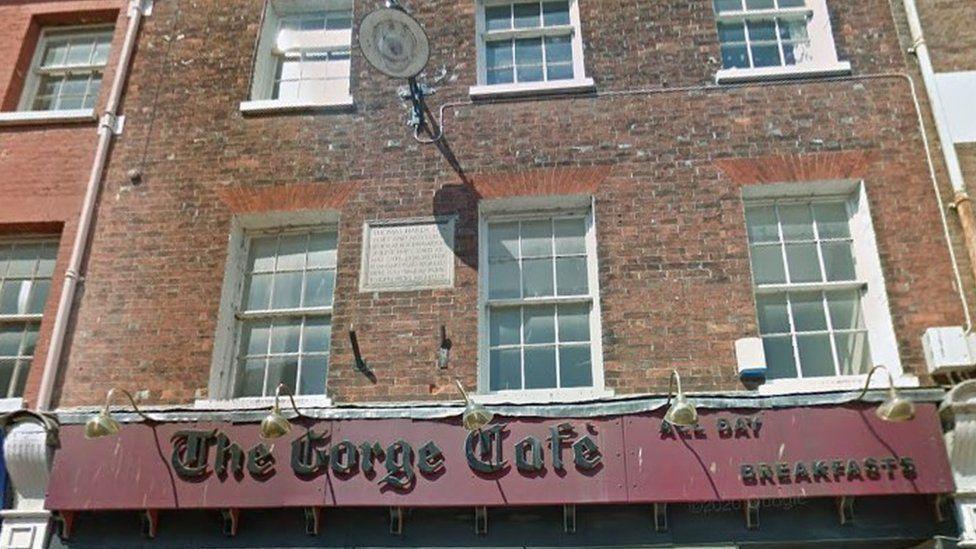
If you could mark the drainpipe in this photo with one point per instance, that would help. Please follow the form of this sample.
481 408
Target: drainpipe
107 128
961 201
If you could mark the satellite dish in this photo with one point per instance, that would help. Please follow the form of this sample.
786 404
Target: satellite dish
394 43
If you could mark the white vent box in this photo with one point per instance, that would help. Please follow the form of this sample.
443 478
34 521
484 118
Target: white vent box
948 350
750 357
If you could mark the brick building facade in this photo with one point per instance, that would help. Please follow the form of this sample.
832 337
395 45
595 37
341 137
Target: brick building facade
665 147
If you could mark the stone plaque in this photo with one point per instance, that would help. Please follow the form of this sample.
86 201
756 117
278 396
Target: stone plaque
410 254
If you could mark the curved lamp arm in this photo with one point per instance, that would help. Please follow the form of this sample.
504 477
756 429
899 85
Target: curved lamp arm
463 392
867 382
111 393
675 379
291 397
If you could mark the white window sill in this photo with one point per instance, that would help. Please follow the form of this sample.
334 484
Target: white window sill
542 396
734 76
532 88
275 106
17 118
257 403
11 404
837 383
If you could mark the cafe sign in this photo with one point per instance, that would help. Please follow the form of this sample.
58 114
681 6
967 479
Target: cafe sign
731 455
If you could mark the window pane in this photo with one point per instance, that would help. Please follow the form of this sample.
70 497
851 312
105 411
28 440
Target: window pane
733 33
570 235
767 265
259 292
765 55
47 256
501 76
498 55
287 291
317 337
773 316
322 250
7 367
540 324
102 48
263 254
571 276
338 22
797 222
575 369
504 326
22 261
808 312
55 53
791 3
845 310
803 263
540 367
526 15
10 339
832 221
318 288
728 5
853 353
838 261
291 253
254 338
505 370
282 370
285 336
563 71
779 357
10 297
498 17
503 280
252 378
761 224
574 323
816 358
763 30
528 59
503 240
537 277
315 370
759 4
80 52
30 340
559 49
555 13
735 57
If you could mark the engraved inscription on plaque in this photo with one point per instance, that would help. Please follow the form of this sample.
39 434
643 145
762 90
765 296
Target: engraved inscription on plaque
401 255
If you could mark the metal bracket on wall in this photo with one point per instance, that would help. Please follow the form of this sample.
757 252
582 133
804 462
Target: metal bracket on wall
149 520
569 519
313 520
444 351
396 521
845 509
66 523
230 519
360 362
481 521
751 509
660 517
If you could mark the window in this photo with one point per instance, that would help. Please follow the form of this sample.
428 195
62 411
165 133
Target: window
285 315
540 304
819 292
769 37
67 70
26 267
304 55
530 44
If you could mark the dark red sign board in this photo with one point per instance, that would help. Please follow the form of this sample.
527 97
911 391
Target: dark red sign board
733 455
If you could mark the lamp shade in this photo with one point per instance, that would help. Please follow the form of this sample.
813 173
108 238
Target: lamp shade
896 408
101 425
681 413
475 416
275 425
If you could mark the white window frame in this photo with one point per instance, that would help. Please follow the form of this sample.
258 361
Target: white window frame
867 267
819 31
225 363
32 82
526 209
578 83
263 76
10 403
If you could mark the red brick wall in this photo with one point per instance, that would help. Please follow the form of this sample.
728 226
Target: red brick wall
948 27
43 168
665 169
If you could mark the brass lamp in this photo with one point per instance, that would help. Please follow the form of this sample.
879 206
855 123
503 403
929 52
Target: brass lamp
895 407
681 412
276 425
103 424
475 416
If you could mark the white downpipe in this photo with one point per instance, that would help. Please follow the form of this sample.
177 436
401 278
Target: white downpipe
106 132
938 111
